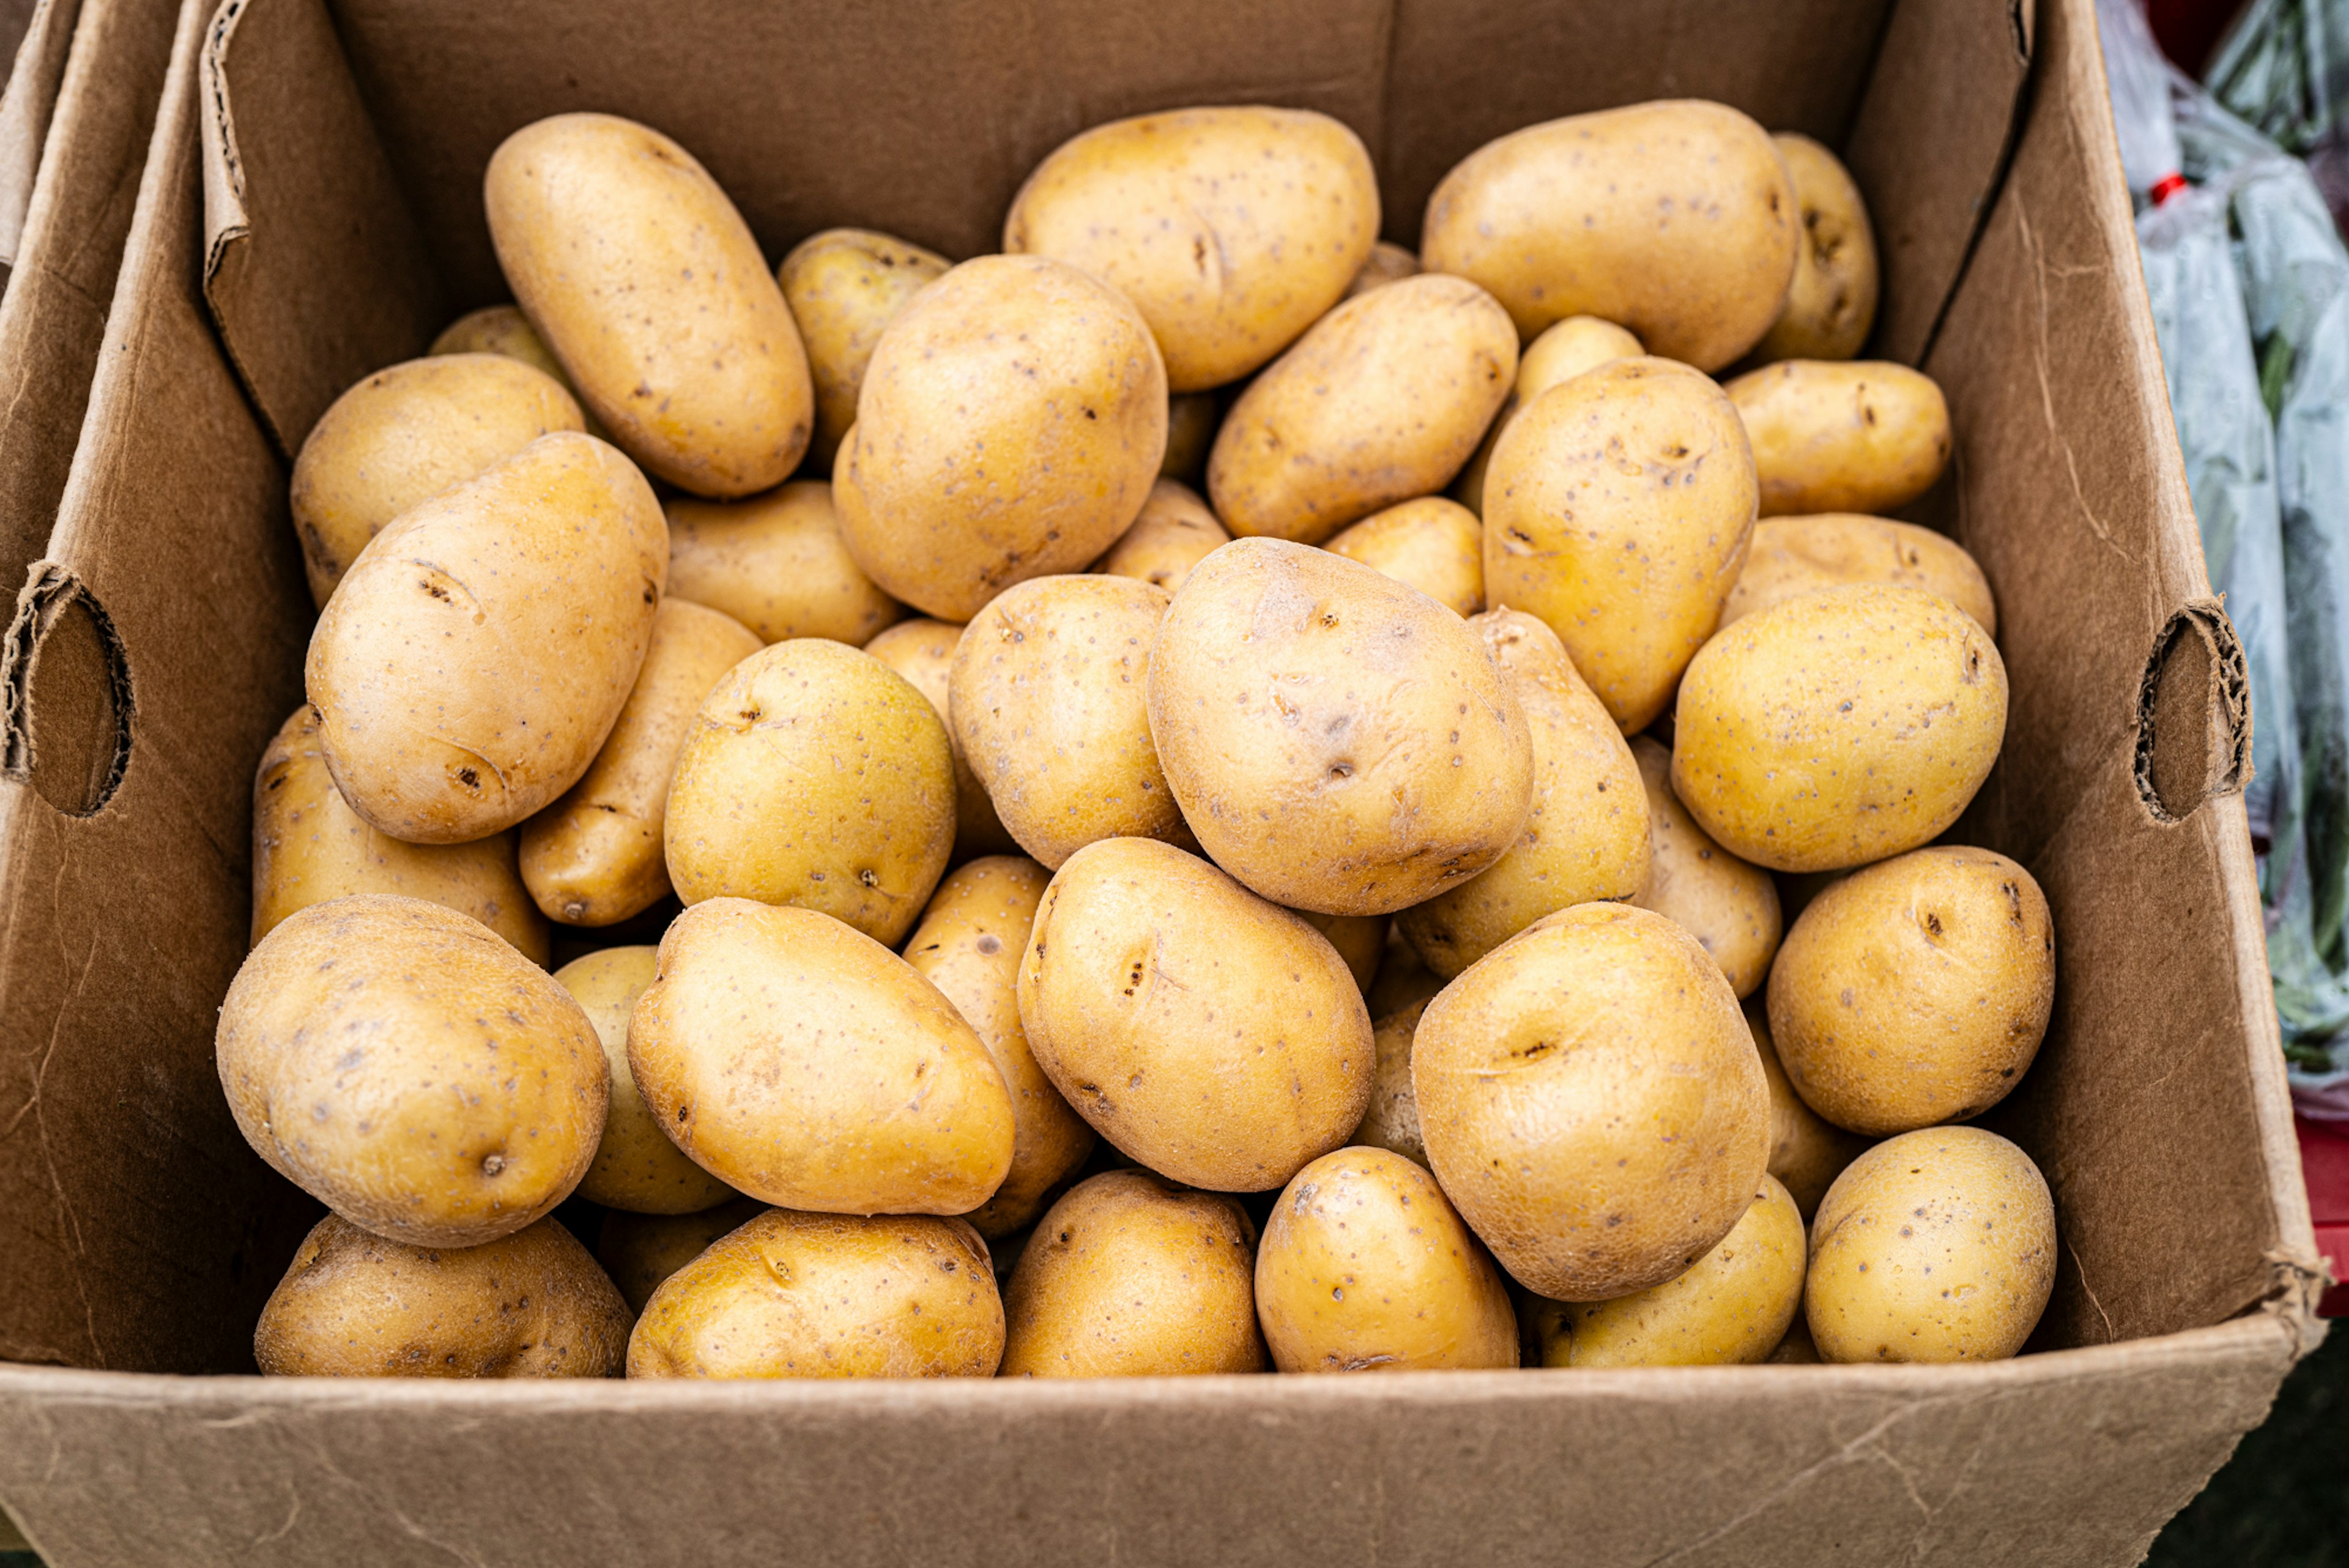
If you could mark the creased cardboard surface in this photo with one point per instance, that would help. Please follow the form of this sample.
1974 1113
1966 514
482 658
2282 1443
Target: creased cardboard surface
36 38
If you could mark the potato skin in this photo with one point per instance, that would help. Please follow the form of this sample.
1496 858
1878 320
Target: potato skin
1839 728
1852 436
1384 399
1729 906
1011 423
923 651
844 286
1387 264
1675 219
1174 533
1361 941
1337 741
357 1058
532 1304
1807 1152
639 1251
501 329
1391 1120
1791 555
776 564
827 1295
636 1169
647 285
1564 351
1434 545
1831 305
1232 228
1216 1038
1129 1276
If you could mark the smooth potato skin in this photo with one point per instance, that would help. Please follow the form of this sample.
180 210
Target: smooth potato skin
776 564
1232 228
532 1304
501 329
1807 1152
1729 906
1361 941
647 285
1390 1121
404 1065
1851 436
1387 264
1791 556
640 1251
1564 351
1831 305
923 651
844 286
1434 545
1174 533
636 1169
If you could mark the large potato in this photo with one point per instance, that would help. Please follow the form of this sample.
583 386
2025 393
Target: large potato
923 651
1231 229
1217 1038
1807 1152
1729 906
1592 1104
647 285
1337 741
1434 545
401 1063
636 1168
1791 555
1010 427
1382 400
466 670
776 564
1617 509
815 774
1832 305
640 1251
1564 351
1174 533
1675 219
1839 728
1855 436
844 286
1391 1120
1587 838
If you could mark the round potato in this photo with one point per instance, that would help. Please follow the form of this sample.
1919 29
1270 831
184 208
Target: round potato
1831 306
815 776
1434 545
923 651
1382 400
1841 727
1791 556
401 1063
1231 229
636 1168
647 285
1592 1103
1564 351
1387 264
1174 533
1337 741
1807 1152
1850 436
1729 906
1191 421
1937 1245
1676 219
1617 510
1216 1038
501 329
532 1304
1131 1276
1392 1120
1012 424
1365 1268
827 1295
776 564
1361 941
640 1251
844 286
1586 837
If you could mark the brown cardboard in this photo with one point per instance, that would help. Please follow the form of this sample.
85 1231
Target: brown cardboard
36 38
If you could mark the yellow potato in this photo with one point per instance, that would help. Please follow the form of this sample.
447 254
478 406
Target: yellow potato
1587 838
1191 421
1592 1104
466 673
505 330
532 1304
1729 906
827 1295
1839 728
1361 941
1617 510
1832 306
1934 1246
1131 1276
647 285
1232 228
776 564
1842 436
640 1251
404 1065
1564 351
1791 555
1382 400
1402 979
636 1168
1387 264
1392 1122
1339 742
1807 1152
1365 1268
1434 545
1174 533
844 286
403 436
1216 1038
1676 219
1012 424
923 651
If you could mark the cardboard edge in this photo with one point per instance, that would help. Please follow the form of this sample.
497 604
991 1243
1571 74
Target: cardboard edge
25 110
54 597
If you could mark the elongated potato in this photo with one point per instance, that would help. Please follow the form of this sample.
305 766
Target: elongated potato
1387 264
1174 533
1434 545
776 564
1831 306
1729 906
1791 555
1564 351
636 1168
1807 1152
844 286
639 1251
1191 421
1391 1120
1853 436
923 651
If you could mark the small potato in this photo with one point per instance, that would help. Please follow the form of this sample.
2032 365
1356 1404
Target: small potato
1050 700
1807 1152
1617 509
1916 990
1587 838
1387 264
501 329
640 1251
827 1295
1012 424
358 1053
1854 436
1216 1038
1361 941
1382 400
923 651
1839 728
532 1304
309 845
1232 228
1791 555
844 286
1676 219
776 562
403 436
1732 1308
1937 1245
596 857
636 1168
1365 1268
815 776
1392 1122
1131 1276
1191 421
1592 1103
1831 306
1729 906
1434 545
969 945
1564 351
647 285
1174 533
1339 742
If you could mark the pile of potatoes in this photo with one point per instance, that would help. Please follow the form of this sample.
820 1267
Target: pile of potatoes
1212 794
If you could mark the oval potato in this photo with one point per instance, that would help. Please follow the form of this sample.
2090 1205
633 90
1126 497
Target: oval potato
844 286
1791 555
636 1169
1434 545
1831 305
1564 351
1174 533
1391 1120
1729 906
923 651
640 1251
776 564
1842 436
501 329
1807 1152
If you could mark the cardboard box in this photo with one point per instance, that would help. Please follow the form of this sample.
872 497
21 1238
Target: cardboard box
310 210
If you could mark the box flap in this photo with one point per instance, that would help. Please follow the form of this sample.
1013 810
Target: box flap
42 33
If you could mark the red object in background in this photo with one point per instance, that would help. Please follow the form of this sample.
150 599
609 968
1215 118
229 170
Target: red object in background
2324 1166
2188 30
